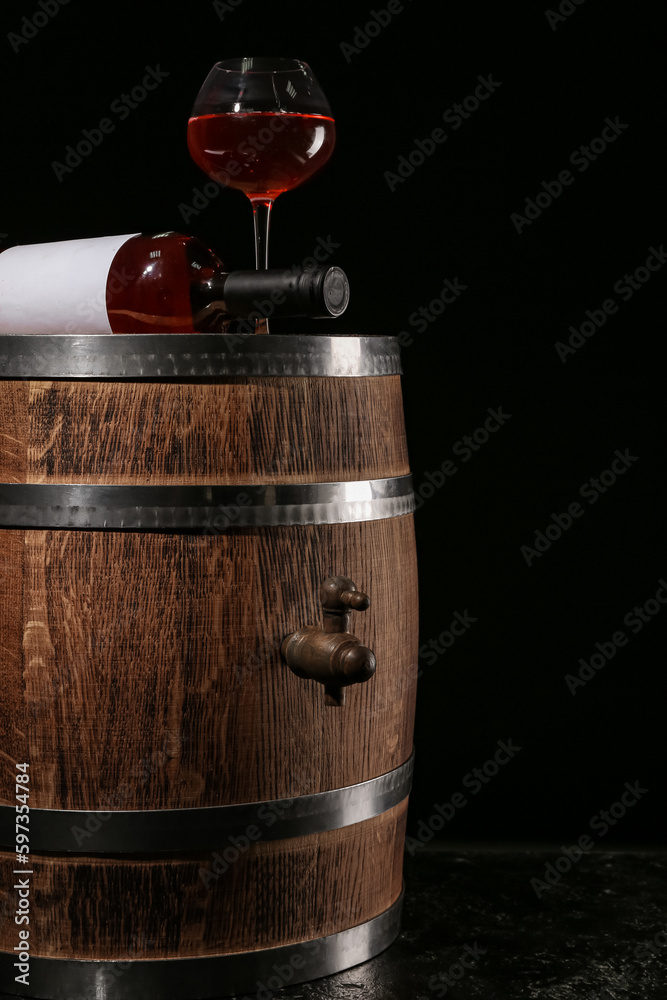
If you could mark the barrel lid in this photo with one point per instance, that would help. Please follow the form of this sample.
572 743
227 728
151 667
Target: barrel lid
182 355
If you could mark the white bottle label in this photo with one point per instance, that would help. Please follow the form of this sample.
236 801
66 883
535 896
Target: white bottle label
57 287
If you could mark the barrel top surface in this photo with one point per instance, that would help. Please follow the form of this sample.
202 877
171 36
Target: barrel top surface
175 356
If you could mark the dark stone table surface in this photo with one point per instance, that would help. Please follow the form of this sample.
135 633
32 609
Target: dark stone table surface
598 933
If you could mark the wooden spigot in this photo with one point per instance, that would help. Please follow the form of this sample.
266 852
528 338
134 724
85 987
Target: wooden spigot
332 655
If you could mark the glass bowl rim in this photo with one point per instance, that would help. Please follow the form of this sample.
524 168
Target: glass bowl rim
295 65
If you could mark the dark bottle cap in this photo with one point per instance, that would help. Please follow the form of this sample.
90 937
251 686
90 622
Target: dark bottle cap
321 293
331 289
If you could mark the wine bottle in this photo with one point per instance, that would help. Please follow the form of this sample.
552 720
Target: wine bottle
161 283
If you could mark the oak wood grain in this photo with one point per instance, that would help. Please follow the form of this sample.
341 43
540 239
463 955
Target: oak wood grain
273 893
254 430
152 664
14 620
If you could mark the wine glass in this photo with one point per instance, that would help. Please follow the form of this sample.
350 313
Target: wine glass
264 126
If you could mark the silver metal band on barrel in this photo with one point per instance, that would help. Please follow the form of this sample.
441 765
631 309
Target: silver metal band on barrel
201 508
159 830
204 356
245 972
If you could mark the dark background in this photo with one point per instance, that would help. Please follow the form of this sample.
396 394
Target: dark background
493 347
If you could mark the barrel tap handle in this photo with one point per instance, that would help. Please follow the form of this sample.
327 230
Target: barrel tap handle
332 655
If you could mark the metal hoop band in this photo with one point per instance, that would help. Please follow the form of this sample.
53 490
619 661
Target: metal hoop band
201 508
159 830
208 356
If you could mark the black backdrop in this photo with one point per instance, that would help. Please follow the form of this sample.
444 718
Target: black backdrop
553 82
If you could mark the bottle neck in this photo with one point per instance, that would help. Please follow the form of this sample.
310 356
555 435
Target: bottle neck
207 298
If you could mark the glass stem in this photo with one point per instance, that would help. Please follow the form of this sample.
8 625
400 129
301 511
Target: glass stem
261 211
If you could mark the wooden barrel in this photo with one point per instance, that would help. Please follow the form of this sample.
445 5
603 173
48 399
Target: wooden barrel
205 817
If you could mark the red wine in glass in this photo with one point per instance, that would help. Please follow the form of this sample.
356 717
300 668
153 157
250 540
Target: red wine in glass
261 125
262 153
